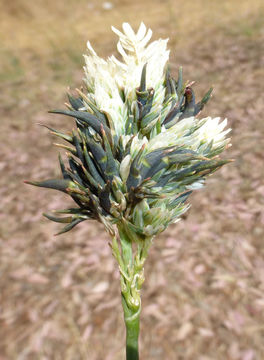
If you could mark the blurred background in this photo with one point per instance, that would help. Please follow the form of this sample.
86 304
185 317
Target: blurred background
203 297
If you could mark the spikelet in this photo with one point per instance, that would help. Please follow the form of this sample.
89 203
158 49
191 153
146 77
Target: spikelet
139 149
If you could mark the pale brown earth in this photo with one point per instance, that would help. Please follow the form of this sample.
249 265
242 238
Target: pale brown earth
204 292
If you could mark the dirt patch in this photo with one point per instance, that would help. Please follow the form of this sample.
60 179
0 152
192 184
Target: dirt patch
203 295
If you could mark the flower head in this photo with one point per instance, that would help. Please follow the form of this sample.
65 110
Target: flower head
110 81
139 149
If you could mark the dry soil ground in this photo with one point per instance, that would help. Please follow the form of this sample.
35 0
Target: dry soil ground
204 294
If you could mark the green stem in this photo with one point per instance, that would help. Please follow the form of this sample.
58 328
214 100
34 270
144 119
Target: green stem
130 298
132 331
132 278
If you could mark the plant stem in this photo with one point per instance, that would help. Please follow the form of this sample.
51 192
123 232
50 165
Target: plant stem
132 277
132 331
130 297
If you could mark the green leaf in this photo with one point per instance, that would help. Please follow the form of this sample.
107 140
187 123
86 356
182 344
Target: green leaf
184 155
134 175
56 184
99 155
104 197
148 119
181 199
78 147
59 134
67 219
151 162
180 87
70 226
92 168
111 166
75 211
189 104
99 114
143 79
200 105
199 167
65 174
76 103
76 172
148 105
86 119
171 93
